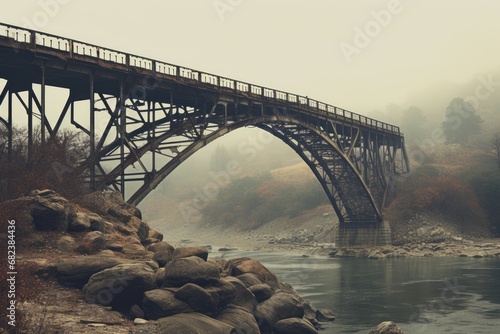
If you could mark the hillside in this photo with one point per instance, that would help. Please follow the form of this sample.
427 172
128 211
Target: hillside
451 196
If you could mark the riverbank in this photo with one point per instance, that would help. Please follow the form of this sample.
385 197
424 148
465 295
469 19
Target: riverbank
303 241
93 264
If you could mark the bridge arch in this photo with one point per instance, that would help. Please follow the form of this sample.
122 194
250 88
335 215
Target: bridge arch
342 183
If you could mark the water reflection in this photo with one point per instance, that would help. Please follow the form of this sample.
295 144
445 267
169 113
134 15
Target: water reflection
423 295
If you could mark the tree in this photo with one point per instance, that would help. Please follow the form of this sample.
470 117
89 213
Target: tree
460 122
495 143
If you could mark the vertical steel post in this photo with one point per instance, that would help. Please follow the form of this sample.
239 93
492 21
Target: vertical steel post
9 128
30 123
122 129
42 111
153 111
92 132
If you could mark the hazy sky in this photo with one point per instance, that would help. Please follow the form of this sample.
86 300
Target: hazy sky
358 55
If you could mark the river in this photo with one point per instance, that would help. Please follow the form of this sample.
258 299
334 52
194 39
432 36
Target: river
422 295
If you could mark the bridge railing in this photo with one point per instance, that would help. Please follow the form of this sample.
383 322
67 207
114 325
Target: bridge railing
31 39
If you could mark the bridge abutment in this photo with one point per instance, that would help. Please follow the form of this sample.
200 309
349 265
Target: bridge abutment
364 234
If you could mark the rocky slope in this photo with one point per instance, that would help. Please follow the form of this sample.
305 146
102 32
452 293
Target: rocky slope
105 270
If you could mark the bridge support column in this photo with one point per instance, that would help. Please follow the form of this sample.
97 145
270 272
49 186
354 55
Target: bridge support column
364 234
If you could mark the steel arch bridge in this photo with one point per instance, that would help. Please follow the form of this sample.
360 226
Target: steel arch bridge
145 117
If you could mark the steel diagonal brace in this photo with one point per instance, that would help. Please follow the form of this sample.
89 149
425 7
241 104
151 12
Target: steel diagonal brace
137 154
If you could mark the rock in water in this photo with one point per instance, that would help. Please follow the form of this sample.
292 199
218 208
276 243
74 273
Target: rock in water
280 306
189 323
294 326
387 327
325 315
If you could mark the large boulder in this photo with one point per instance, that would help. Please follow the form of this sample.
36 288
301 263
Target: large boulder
136 251
66 244
79 222
249 280
190 270
155 235
160 276
120 286
160 303
198 298
222 292
77 271
95 202
294 326
97 223
281 305
262 292
162 251
200 252
92 242
387 327
110 204
246 265
193 323
49 210
243 297
115 199
241 319
139 227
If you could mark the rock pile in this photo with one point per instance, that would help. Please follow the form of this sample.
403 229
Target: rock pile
119 261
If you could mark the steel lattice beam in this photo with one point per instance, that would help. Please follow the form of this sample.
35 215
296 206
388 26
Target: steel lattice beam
144 117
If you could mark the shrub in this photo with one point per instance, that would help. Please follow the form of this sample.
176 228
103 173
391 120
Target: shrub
50 165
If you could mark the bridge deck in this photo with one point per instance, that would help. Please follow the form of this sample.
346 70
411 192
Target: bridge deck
70 60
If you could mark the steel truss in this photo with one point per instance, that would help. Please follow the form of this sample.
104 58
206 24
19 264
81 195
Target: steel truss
142 124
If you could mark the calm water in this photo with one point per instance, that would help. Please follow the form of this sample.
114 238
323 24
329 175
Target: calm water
423 295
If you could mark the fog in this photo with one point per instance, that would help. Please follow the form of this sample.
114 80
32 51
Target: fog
359 56
382 58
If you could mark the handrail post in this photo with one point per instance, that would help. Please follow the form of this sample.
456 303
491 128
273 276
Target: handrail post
70 47
32 39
